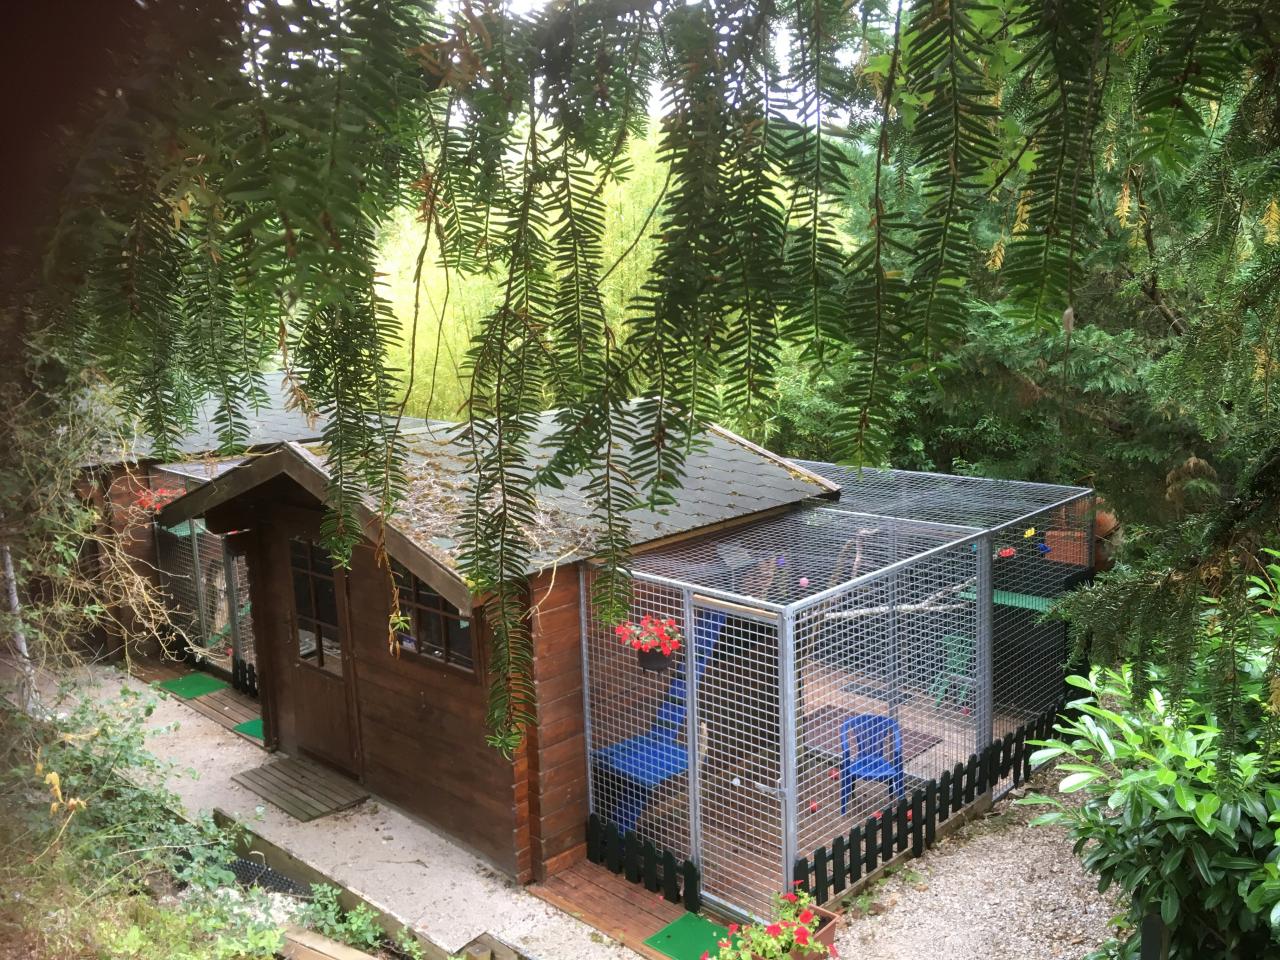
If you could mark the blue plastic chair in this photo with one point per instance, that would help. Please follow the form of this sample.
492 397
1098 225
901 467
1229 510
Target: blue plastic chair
870 731
634 768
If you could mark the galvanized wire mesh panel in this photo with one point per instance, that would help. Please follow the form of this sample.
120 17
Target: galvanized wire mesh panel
887 683
636 728
176 564
912 495
785 559
740 770
207 588
1033 564
242 610
217 645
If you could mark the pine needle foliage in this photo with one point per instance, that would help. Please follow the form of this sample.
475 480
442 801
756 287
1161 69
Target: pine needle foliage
836 176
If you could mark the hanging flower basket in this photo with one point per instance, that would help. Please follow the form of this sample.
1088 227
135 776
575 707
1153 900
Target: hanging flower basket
653 639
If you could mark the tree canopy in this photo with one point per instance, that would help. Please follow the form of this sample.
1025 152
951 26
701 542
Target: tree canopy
879 192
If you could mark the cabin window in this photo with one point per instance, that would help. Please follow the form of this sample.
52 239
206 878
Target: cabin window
315 605
434 629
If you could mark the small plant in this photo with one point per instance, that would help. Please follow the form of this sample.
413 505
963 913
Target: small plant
407 945
791 934
324 914
650 634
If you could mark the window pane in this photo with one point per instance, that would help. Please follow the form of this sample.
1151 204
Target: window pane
460 642
298 552
302 594
307 649
408 643
320 561
326 600
430 635
332 649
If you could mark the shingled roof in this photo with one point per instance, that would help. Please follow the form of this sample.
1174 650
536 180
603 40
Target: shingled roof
726 478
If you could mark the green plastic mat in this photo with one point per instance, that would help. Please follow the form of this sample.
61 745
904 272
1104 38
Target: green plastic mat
1007 598
688 938
250 728
192 685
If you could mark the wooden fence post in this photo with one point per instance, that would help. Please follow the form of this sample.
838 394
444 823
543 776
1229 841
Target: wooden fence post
838 866
670 877
930 812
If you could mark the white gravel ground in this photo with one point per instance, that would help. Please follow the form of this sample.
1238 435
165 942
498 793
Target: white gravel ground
999 889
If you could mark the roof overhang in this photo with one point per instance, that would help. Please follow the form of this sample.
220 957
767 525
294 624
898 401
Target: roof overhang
293 461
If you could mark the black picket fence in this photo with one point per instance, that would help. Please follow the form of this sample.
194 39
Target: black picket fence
637 859
912 821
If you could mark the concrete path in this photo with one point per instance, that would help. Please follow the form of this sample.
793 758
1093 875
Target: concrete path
394 861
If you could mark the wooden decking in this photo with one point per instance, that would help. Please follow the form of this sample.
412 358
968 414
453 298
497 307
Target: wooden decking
624 911
228 707
305 791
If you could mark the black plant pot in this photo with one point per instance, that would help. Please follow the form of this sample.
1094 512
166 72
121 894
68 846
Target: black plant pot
654 660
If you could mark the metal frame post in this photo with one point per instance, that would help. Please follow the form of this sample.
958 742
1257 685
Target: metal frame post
233 602
197 577
584 626
897 694
692 683
787 704
985 597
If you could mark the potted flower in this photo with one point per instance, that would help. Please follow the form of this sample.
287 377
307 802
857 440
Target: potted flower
800 931
654 640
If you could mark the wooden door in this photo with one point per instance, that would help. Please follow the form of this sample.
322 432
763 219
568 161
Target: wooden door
317 683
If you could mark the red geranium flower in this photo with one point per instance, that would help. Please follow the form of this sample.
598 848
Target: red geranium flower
806 916
802 937
789 897
773 930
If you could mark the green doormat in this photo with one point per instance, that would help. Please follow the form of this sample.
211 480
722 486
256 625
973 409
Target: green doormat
192 685
688 938
250 728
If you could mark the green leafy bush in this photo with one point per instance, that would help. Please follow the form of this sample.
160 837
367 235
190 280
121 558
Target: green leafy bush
91 843
1160 822
358 927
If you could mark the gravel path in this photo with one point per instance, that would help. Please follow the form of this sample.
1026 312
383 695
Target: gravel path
999 889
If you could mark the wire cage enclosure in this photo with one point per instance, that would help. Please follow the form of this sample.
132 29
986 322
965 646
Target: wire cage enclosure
206 588
834 658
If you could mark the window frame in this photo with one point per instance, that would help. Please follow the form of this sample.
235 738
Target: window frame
309 569
418 602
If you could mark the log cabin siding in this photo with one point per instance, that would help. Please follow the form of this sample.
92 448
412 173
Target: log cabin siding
422 728
556 751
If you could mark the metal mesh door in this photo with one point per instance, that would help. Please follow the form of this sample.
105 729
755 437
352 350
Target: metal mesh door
637 729
740 786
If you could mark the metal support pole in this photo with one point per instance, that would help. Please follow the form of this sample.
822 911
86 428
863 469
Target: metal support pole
983 708
233 602
693 683
787 700
897 692
584 630
197 576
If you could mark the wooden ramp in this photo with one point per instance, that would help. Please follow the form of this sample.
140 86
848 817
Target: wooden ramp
303 790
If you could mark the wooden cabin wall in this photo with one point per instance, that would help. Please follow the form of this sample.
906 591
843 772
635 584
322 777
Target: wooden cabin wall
422 729
556 752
